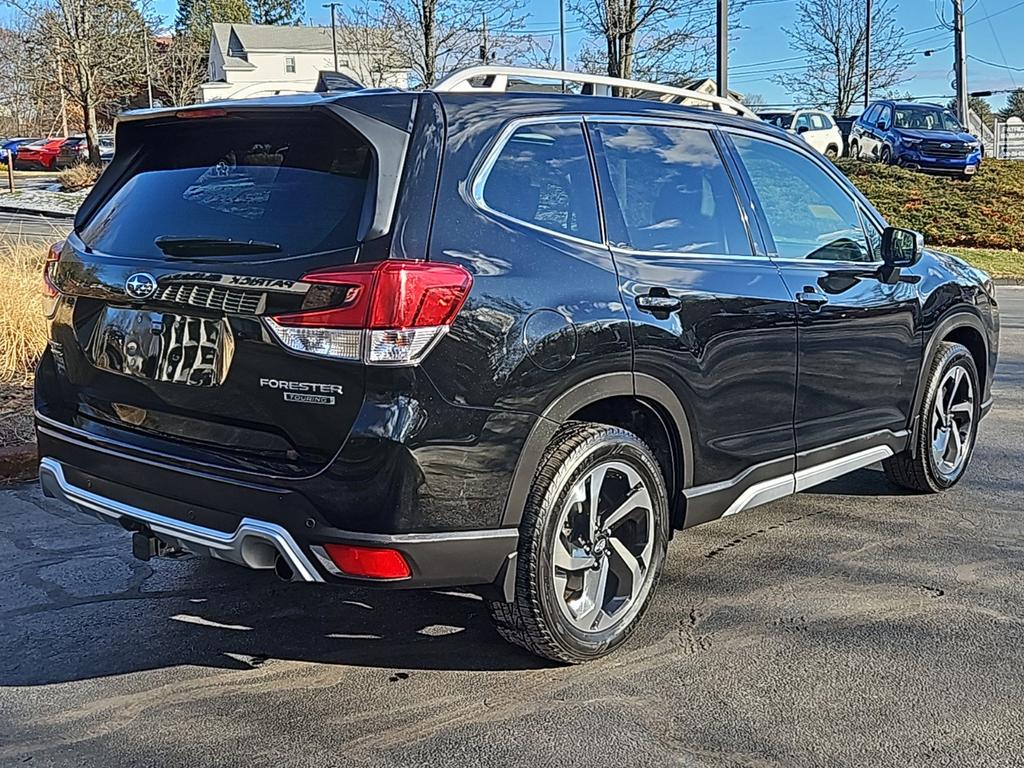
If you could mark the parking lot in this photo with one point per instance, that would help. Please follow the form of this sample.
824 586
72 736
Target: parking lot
849 625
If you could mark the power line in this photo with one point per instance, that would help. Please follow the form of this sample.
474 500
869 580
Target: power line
999 47
993 64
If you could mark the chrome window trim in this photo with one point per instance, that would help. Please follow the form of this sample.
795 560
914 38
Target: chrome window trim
490 157
839 180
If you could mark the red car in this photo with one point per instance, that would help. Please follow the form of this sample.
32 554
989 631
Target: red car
39 154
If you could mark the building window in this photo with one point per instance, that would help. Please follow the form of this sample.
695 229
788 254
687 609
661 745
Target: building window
289 64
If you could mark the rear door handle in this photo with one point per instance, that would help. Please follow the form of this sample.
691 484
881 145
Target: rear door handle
812 298
653 303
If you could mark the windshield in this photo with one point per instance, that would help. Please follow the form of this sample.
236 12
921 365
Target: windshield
781 119
924 117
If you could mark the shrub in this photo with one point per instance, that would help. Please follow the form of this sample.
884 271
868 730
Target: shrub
984 212
78 177
23 324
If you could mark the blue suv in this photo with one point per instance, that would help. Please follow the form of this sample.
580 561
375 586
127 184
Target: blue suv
917 136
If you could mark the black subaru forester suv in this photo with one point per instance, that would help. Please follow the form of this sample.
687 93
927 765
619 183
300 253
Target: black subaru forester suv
501 341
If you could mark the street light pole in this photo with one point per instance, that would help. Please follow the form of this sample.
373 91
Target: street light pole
334 33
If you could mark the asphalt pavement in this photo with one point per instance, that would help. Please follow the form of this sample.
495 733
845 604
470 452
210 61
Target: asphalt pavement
16 227
852 625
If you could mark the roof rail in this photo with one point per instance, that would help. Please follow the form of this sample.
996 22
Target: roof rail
496 80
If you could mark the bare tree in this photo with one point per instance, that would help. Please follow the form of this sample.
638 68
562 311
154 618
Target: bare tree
180 67
100 49
30 103
660 40
377 57
833 34
439 36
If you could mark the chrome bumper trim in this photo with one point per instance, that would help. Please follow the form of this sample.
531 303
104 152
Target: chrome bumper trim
236 547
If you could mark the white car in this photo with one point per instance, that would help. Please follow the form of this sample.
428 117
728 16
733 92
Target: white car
816 127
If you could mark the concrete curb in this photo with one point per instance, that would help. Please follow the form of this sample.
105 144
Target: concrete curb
35 212
1008 280
18 463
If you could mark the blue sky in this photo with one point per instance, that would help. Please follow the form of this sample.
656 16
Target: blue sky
994 29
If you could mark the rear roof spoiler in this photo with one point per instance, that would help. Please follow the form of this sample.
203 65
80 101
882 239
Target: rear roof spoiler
378 126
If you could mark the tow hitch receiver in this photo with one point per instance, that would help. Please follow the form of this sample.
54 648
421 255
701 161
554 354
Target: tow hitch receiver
145 547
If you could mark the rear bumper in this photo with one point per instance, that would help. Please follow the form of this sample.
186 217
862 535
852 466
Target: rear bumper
480 558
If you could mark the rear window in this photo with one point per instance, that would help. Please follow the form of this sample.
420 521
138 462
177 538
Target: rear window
298 182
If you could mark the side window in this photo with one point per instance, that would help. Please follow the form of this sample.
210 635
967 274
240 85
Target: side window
543 177
810 216
885 116
871 116
669 191
826 121
817 122
803 121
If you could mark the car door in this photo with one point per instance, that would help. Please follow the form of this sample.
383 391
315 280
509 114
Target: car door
710 315
881 130
865 131
859 337
817 135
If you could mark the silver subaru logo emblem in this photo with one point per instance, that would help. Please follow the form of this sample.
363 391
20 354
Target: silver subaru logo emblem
141 285
945 145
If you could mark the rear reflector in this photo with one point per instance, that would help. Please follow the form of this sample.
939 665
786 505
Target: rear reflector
368 562
391 313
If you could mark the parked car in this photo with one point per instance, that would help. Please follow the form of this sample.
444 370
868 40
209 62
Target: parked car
451 339
38 155
845 125
76 150
917 136
815 127
11 145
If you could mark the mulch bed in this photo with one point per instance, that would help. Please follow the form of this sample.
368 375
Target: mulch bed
17 438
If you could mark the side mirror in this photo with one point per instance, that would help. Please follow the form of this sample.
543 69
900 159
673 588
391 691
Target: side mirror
802 129
900 248
880 125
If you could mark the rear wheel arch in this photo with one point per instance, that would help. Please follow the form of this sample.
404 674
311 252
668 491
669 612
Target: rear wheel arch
642 404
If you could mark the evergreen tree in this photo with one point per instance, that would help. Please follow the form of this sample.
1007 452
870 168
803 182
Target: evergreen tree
276 11
1014 105
196 17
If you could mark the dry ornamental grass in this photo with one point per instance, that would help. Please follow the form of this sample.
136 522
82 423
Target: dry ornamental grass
23 324
78 177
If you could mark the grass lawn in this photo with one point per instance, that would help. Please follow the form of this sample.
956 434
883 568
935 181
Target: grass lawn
998 263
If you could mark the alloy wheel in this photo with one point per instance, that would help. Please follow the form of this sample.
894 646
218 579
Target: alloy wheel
952 422
604 548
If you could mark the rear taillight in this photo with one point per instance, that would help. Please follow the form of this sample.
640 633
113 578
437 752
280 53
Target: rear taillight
390 313
52 257
368 562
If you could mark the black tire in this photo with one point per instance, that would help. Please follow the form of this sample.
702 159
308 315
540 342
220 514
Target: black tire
855 150
535 619
885 156
832 152
918 470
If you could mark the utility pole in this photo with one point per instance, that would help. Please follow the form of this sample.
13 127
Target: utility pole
561 35
722 58
960 62
334 32
484 53
867 58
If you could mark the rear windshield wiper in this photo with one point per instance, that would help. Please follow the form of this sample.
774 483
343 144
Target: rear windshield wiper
212 246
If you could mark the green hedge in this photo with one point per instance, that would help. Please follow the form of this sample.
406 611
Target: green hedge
984 212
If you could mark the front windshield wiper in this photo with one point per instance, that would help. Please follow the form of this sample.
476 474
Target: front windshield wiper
212 246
